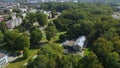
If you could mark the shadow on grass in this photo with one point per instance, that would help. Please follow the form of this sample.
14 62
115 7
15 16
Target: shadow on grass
18 60
37 46
58 41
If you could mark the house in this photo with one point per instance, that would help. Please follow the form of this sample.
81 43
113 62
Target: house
3 59
16 21
2 18
23 9
75 45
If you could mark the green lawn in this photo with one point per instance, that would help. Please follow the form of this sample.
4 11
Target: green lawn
19 63
56 38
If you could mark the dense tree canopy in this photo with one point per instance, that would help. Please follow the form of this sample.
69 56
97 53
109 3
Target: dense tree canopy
50 31
1 37
41 18
36 36
102 47
22 42
16 40
112 60
3 27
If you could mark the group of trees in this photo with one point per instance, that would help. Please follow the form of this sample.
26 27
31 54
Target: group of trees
50 31
27 34
52 56
93 20
100 28
31 18
16 40
36 35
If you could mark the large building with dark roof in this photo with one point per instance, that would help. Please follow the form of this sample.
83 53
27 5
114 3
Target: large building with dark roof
75 45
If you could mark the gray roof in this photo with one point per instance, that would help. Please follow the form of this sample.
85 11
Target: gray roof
80 41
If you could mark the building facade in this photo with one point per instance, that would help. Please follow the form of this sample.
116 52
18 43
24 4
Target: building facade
14 22
3 60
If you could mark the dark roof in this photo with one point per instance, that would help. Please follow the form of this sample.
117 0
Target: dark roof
1 55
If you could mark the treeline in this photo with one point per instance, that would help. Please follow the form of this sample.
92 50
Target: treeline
52 56
27 35
95 21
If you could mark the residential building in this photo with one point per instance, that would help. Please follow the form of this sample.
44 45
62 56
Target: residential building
14 22
2 18
23 9
3 60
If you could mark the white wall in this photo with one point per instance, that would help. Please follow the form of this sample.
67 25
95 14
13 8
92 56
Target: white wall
3 61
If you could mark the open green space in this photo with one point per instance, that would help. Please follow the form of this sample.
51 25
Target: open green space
19 63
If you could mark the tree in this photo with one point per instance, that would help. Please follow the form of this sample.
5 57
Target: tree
112 60
50 31
102 48
3 27
6 11
53 12
74 31
30 19
1 37
19 15
47 56
16 10
10 37
21 42
91 61
40 62
65 62
41 18
26 53
116 42
51 51
36 35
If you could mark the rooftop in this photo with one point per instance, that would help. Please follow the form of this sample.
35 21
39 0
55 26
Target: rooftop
1 55
80 41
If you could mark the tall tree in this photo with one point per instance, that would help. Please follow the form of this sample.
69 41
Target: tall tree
36 35
1 37
21 42
3 27
25 53
10 37
116 42
50 31
102 48
30 18
112 60
91 61
42 19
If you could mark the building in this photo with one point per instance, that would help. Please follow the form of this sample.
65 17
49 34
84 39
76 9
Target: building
3 60
2 18
79 44
14 22
75 45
